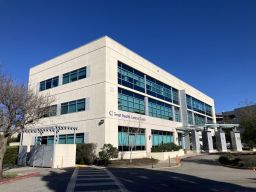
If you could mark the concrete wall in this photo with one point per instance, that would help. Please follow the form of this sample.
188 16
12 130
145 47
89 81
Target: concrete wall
64 155
167 155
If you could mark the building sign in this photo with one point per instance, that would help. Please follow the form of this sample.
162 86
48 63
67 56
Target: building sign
127 116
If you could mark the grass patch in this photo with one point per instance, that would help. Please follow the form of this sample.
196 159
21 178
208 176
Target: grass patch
9 175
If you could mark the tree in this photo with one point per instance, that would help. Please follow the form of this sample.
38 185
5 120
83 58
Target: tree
19 107
247 121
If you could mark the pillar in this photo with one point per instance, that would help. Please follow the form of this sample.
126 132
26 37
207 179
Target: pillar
148 142
195 141
221 141
236 141
186 141
207 141
175 138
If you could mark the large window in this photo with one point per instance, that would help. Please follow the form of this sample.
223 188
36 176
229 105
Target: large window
160 109
158 89
199 106
130 77
131 102
73 106
131 138
199 119
74 75
208 110
161 137
49 83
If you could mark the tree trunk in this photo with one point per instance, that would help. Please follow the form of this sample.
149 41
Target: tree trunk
3 146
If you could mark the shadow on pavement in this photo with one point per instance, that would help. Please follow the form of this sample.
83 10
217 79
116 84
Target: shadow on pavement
202 161
58 179
136 179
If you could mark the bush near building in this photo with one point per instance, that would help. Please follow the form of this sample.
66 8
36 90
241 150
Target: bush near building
166 148
107 152
239 160
85 153
11 156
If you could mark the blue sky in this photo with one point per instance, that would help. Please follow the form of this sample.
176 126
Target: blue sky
208 44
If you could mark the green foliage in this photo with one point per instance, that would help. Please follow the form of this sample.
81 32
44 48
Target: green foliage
107 152
85 153
230 159
166 147
11 156
248 123
249 163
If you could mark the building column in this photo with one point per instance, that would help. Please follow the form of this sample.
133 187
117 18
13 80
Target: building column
195 141
148 142
175 138
207 141
221 141
186 141
236 141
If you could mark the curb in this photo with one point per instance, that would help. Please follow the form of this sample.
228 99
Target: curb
5 181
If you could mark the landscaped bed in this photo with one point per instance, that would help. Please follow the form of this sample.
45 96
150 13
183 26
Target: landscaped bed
135 162
239 160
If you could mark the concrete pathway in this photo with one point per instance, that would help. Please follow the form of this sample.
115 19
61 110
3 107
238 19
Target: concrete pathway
94 179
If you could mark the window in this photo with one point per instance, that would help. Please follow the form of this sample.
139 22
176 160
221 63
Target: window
208 110
190 118
199 106
209 120
158 89
50 111
175 93
130 77
199 119
131 102
74 75
161 137
189 101
73 106
177 114
159 109
49 83
131 138
63 139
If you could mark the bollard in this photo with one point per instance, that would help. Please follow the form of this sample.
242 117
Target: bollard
169 161
177 160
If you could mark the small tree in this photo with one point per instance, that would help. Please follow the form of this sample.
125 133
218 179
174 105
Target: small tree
19 107
107 152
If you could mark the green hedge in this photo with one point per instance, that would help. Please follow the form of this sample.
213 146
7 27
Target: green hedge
232 160
166 148
85 153
11 156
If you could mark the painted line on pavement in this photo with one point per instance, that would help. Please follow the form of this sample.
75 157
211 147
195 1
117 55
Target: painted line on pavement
72 181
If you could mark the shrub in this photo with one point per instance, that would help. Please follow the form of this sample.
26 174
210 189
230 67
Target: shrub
166 147
249 163
107 152
11 156
85 153
224 160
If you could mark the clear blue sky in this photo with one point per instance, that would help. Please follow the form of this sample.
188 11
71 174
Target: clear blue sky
208 44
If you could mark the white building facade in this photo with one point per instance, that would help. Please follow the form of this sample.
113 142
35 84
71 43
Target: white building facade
112 95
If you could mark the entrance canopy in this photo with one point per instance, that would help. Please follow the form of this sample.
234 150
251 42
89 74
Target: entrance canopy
214 126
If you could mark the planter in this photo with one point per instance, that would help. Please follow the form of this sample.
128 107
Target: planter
167 155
